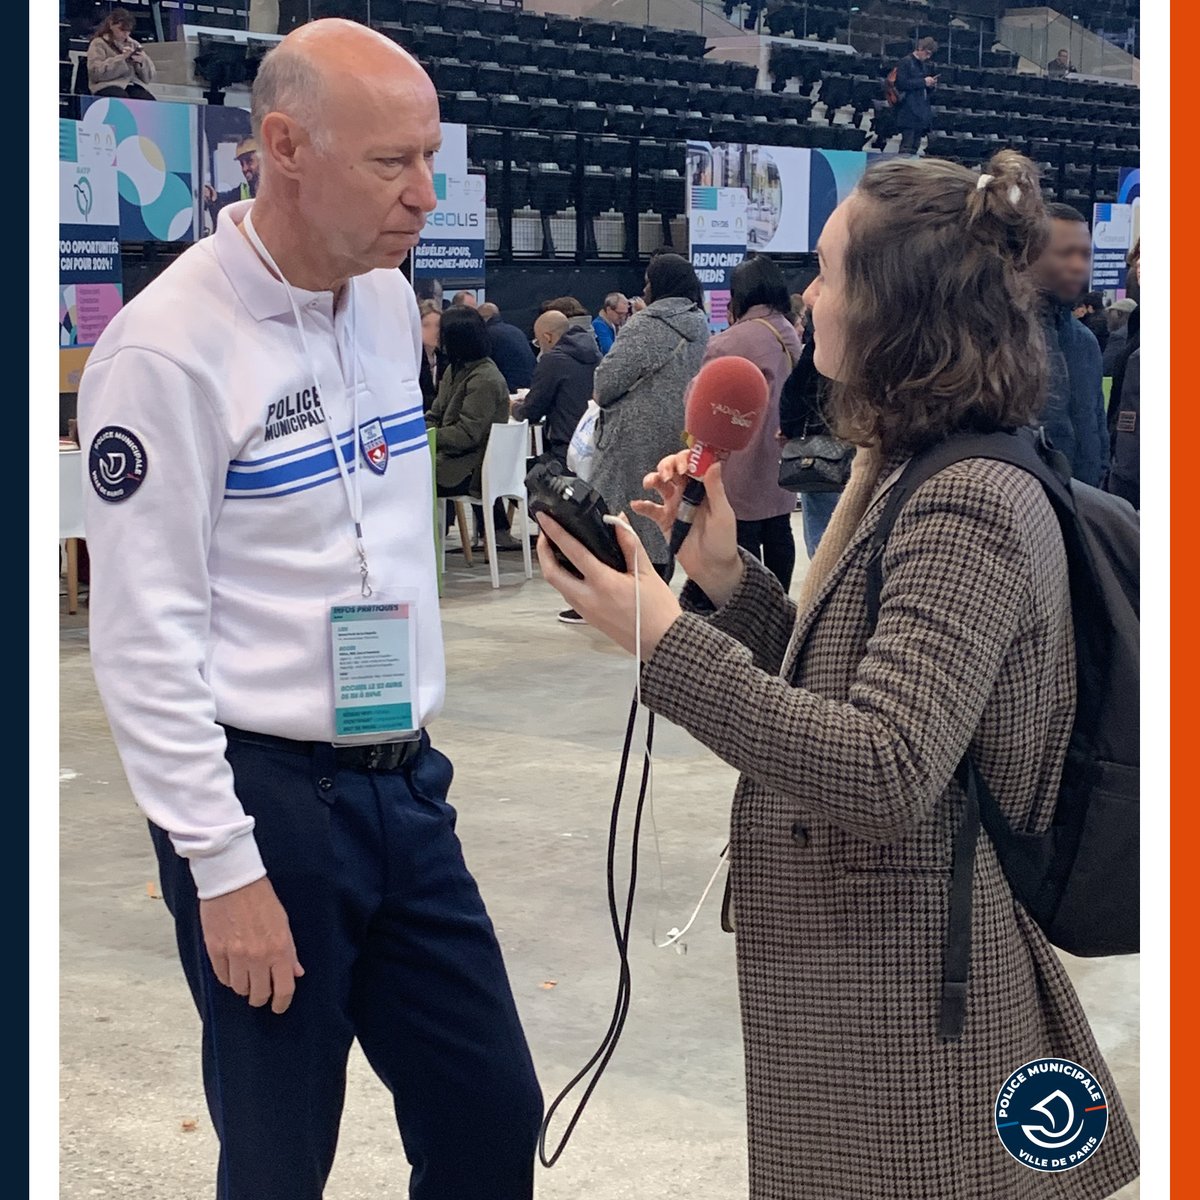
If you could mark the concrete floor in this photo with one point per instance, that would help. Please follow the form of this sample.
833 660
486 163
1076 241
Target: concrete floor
534 718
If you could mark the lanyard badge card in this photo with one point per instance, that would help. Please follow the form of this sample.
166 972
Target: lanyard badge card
373 638
374 643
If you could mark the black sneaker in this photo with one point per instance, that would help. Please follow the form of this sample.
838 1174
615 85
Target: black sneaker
506 541
570 617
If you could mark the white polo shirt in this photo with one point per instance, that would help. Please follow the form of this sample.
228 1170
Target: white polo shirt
219 528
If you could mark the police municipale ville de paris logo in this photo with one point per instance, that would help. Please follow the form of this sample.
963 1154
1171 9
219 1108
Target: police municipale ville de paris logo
1051 1114
116 463
374 446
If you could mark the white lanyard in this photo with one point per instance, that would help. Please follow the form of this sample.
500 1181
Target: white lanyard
350 480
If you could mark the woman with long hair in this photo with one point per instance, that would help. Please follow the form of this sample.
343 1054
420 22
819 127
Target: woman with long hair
117 65
471 397
848 732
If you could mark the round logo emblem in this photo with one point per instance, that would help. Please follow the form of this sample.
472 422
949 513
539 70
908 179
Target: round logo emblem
116 463
1051 1114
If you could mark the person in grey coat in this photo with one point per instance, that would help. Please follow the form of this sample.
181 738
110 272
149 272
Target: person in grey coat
847 733
639 386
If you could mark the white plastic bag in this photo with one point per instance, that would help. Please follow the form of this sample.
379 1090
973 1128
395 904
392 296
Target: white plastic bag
582 449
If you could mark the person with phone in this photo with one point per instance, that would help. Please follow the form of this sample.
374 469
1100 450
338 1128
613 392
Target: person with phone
914 116
116 63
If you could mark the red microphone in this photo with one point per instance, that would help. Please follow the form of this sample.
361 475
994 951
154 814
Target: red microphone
726 405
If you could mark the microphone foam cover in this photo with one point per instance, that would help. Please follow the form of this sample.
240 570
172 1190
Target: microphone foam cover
727 402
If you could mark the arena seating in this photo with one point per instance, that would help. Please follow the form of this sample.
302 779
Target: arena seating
574 114
1083 132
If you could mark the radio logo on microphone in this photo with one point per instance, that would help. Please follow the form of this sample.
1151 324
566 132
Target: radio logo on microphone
743 419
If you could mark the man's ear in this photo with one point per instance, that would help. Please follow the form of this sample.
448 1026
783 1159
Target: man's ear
279 141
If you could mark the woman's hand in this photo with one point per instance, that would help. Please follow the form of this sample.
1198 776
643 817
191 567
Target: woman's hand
605 598
710 554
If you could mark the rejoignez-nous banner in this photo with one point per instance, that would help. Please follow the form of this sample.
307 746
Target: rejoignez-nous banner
451 255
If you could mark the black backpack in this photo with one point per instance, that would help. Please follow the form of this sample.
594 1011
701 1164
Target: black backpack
1078 880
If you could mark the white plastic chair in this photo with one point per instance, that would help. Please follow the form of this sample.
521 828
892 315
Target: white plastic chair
504 479
70 517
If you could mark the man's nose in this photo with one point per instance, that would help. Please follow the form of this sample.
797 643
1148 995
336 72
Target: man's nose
421 194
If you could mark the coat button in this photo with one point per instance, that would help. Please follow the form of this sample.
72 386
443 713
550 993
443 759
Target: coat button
325 784
799 835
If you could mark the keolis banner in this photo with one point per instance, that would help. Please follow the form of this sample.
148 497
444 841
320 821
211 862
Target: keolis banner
451 254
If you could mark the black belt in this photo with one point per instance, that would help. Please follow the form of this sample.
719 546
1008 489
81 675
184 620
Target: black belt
382 756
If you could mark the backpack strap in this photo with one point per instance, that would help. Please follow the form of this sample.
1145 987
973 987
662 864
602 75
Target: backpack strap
956 956
1028 450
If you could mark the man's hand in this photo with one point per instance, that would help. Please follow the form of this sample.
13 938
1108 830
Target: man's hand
250 945
210 194
931 81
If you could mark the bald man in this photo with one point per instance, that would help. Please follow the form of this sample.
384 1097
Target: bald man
266 641
562 379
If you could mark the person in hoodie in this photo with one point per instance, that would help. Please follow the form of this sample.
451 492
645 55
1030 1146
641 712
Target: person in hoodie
1074 417
639 386
562 380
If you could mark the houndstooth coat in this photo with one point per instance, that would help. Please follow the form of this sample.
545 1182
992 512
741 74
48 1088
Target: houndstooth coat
842 833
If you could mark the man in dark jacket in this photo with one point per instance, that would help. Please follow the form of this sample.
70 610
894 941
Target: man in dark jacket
1119 318
562 381
914 116
1125 471
511 351
1089 309
1074 417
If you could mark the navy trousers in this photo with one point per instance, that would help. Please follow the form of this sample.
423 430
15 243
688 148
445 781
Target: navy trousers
398 952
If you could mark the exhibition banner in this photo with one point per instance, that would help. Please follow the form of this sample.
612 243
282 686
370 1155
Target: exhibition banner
89 250
451 255
228 169
833 175
153 148
790 192
717 221
1112 238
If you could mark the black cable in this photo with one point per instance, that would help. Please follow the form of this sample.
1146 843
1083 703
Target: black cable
608 1044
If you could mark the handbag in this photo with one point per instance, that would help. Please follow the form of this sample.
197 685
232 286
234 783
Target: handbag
581 452
812 463
816 462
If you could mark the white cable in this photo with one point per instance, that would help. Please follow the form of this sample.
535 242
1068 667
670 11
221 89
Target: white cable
673 935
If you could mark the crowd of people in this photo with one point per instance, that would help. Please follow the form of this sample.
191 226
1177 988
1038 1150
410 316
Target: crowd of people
635 358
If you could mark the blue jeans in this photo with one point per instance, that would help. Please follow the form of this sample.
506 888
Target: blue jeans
817 508
398 952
